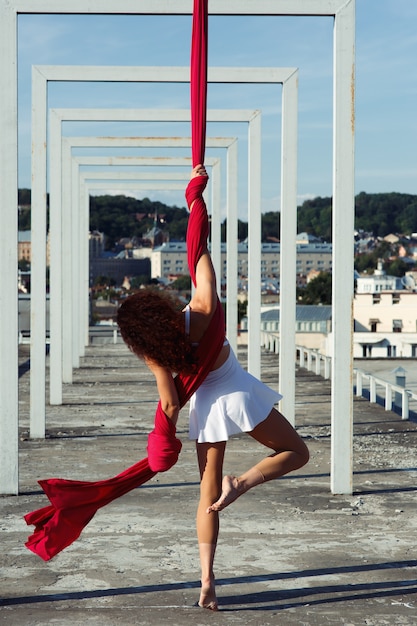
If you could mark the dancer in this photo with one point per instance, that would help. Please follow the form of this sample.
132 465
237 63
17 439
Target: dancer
191 343
229 401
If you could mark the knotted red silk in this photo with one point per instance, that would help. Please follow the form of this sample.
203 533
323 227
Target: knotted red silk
73 502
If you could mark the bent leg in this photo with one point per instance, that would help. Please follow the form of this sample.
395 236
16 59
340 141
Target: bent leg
290 453
210 461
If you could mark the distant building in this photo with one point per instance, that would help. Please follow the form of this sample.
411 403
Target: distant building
388 312
312 326
314 256
378 282
391 238
118 269
309 319
171 259
155 236
385 326
96 244
24 246
306 238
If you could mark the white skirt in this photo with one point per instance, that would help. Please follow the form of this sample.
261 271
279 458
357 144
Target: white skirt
230 401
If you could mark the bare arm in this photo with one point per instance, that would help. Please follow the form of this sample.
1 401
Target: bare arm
166 389
205 295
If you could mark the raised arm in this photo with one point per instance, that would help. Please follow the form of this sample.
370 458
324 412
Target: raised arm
205 295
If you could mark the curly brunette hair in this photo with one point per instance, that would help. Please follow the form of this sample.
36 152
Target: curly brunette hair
152 326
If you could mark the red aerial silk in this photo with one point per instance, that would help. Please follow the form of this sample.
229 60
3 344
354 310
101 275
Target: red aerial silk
73 502
198 80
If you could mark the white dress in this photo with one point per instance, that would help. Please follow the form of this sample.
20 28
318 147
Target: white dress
228 402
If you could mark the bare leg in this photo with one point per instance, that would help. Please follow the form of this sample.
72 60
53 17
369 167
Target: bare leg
210 460
290 454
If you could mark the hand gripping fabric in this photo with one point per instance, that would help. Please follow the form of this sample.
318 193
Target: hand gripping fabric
74 503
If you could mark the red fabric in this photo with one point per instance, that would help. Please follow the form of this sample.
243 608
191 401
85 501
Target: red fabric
163 447
198 80
197 222
74 503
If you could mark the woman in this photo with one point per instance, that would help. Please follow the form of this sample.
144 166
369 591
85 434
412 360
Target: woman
229 401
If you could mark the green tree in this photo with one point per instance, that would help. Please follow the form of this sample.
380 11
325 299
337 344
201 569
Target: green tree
384 213
104 281
24 197
396 268
24 202
270 225
315 217
182 283
242 230
407 221
23 265
121 216
365 262
137 281
317 291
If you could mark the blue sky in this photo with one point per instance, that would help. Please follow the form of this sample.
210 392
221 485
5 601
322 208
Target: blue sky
386 87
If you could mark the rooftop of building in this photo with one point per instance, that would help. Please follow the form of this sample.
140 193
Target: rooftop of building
290 552
304 313
243 246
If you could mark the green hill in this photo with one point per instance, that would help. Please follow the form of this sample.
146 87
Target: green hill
121 216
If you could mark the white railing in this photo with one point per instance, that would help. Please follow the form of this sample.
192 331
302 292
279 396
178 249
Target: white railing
111 332
24 338
270 341
313 361
393 395
103 332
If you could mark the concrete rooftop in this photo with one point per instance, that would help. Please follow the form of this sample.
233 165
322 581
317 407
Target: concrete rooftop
289 553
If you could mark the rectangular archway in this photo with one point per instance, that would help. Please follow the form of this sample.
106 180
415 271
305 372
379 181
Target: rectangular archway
343 12
56 356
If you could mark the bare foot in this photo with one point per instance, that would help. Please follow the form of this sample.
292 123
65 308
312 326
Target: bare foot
208 599
230 492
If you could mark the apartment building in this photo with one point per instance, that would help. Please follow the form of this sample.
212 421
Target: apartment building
24 245
170 259
385 325
386 312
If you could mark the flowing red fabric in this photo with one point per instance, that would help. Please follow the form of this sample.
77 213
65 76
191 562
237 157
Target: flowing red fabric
74 503
198 80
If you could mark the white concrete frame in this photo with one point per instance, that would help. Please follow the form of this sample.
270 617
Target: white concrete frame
231 301
288 77
79 232
80 271
73 164
176 115
58 252
231 201
343 12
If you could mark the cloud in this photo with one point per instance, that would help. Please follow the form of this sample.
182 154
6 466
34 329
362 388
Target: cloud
305 196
